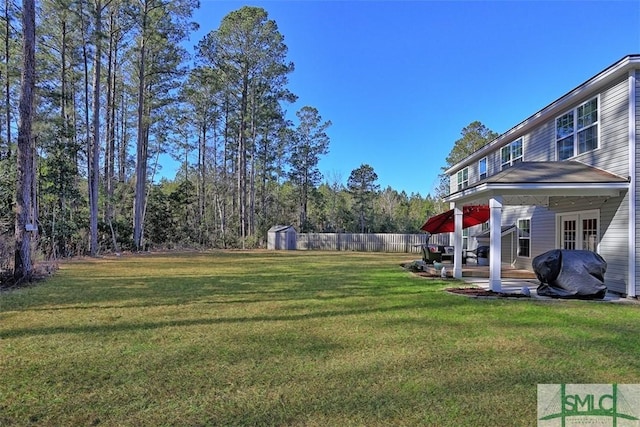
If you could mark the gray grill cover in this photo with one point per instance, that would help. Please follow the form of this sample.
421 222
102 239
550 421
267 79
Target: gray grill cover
570 274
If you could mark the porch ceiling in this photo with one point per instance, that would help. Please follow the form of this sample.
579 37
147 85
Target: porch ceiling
531 183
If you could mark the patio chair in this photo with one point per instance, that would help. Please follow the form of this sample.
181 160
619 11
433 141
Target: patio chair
432 253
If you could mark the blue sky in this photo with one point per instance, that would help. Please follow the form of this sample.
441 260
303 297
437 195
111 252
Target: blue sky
400 79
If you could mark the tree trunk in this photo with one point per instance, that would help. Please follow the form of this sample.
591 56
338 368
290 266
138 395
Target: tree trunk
7 88
23 268
94 154
142 148
109 156
122 140
242 163
202 149
252 172
88 136
64 123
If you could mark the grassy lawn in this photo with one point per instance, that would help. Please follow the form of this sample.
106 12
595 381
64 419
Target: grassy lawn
291 338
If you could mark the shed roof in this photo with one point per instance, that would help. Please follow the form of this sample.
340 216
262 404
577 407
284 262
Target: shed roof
279 228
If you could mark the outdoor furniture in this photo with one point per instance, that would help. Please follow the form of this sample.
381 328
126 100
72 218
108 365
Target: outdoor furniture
432 253
469 254
448 253
482 254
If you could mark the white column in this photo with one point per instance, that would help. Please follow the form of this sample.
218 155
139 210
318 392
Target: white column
457 243
495 243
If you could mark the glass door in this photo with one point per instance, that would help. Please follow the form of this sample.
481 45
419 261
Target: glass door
590 234
579 231
569 231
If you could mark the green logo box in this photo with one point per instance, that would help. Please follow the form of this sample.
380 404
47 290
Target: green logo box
578 405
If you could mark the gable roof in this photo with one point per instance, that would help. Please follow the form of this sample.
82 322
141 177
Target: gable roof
567 178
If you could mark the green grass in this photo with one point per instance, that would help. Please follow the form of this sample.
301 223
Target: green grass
291 338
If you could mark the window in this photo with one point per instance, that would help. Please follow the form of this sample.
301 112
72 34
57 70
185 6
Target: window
463 179
511 154
577 130
465 238
524 238
482 168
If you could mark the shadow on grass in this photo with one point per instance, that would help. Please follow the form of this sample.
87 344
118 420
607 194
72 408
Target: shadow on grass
162 294
123 327
85 291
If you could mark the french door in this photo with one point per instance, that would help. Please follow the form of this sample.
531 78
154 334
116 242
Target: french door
579 231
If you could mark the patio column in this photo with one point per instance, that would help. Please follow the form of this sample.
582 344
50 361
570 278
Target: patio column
457 242
495 243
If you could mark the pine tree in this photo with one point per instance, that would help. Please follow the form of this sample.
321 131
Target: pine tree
310 142
161 26
250 54
362 185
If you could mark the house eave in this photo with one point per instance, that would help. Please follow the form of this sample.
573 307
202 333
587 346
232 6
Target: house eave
487 190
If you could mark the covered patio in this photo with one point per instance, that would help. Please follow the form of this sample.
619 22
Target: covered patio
532 184
482 272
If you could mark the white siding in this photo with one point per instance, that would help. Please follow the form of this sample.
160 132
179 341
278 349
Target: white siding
542 230
541 144
613 236
613 152
614 241
637 180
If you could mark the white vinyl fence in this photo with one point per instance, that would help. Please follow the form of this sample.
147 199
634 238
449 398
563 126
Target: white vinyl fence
367 242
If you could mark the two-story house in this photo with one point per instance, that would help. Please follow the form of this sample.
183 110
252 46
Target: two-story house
566 177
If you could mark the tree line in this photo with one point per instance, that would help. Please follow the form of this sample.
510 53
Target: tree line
114 89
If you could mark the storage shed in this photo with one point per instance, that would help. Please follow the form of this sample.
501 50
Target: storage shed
281 237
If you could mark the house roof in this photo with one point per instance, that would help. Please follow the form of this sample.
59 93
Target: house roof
567 178
554 172
618 70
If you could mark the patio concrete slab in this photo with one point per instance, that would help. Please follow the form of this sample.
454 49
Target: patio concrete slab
515 286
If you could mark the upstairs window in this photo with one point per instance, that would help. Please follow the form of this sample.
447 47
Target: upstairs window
511 154
482 168
463 179
577 130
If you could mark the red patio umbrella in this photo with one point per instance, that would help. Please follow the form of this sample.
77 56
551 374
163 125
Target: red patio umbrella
444 222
